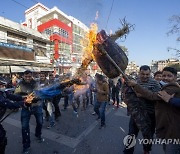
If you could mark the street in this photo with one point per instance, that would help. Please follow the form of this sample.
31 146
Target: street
75 134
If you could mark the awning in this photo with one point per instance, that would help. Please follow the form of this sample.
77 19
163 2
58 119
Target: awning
21 65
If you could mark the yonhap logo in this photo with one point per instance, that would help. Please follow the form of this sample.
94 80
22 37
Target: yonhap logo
129 141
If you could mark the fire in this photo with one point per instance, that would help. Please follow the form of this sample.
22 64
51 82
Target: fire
89 41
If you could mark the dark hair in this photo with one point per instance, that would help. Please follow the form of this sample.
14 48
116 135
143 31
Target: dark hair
158 72
99 76
145 67
42 72
27 72
170 69
51 74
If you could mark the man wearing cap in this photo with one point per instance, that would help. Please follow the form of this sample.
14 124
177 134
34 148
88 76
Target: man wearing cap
8 101
102 93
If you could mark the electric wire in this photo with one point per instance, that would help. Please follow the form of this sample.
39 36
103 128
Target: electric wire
110 12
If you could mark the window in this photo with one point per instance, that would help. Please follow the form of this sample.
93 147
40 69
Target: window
30 23
48 31
16 36
37 42
39 48
39 51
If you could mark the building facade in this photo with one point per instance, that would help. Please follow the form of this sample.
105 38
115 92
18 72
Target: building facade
159 65
132 68
20 43
65 32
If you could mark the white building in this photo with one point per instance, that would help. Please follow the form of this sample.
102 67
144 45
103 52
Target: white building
20 43
66 33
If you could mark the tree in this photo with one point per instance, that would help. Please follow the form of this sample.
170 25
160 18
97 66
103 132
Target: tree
176 66
124 49
175 30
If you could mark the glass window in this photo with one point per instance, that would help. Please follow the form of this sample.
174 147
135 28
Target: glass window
16 36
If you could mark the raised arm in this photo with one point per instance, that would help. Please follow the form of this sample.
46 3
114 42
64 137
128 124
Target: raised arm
145 93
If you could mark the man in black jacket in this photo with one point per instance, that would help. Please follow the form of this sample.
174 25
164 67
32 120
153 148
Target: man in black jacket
142 110
26 87
8 101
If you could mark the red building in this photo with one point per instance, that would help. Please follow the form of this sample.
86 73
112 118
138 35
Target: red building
65 32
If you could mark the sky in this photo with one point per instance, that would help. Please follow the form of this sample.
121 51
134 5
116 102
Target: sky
147 42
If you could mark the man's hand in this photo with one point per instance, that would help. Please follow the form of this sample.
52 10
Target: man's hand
29 98
165 96
131 83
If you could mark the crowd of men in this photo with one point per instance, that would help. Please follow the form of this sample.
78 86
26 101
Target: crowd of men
153 103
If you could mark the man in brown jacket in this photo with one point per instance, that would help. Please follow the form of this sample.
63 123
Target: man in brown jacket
167 115
102 93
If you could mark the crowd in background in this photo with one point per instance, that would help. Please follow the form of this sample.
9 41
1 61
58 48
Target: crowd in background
98 91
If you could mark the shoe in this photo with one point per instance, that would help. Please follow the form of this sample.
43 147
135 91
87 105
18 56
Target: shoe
26 151
93 113
40 139
75 112
102 126
50 126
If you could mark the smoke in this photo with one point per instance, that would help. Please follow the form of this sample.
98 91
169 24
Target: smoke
80 92
97 15
82 89
90 8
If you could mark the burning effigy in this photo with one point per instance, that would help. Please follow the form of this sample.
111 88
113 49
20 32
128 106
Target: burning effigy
103 49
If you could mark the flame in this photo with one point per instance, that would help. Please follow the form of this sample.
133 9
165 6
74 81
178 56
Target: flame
88 42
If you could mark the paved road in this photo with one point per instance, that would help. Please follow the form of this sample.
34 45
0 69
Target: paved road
74 134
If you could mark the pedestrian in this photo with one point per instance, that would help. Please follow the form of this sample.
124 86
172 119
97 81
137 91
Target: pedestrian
115 91
102 94
68 93
47 103
142 110
8 101
56 99
158 76
110 83
91 85
167 114
27 86
43 82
